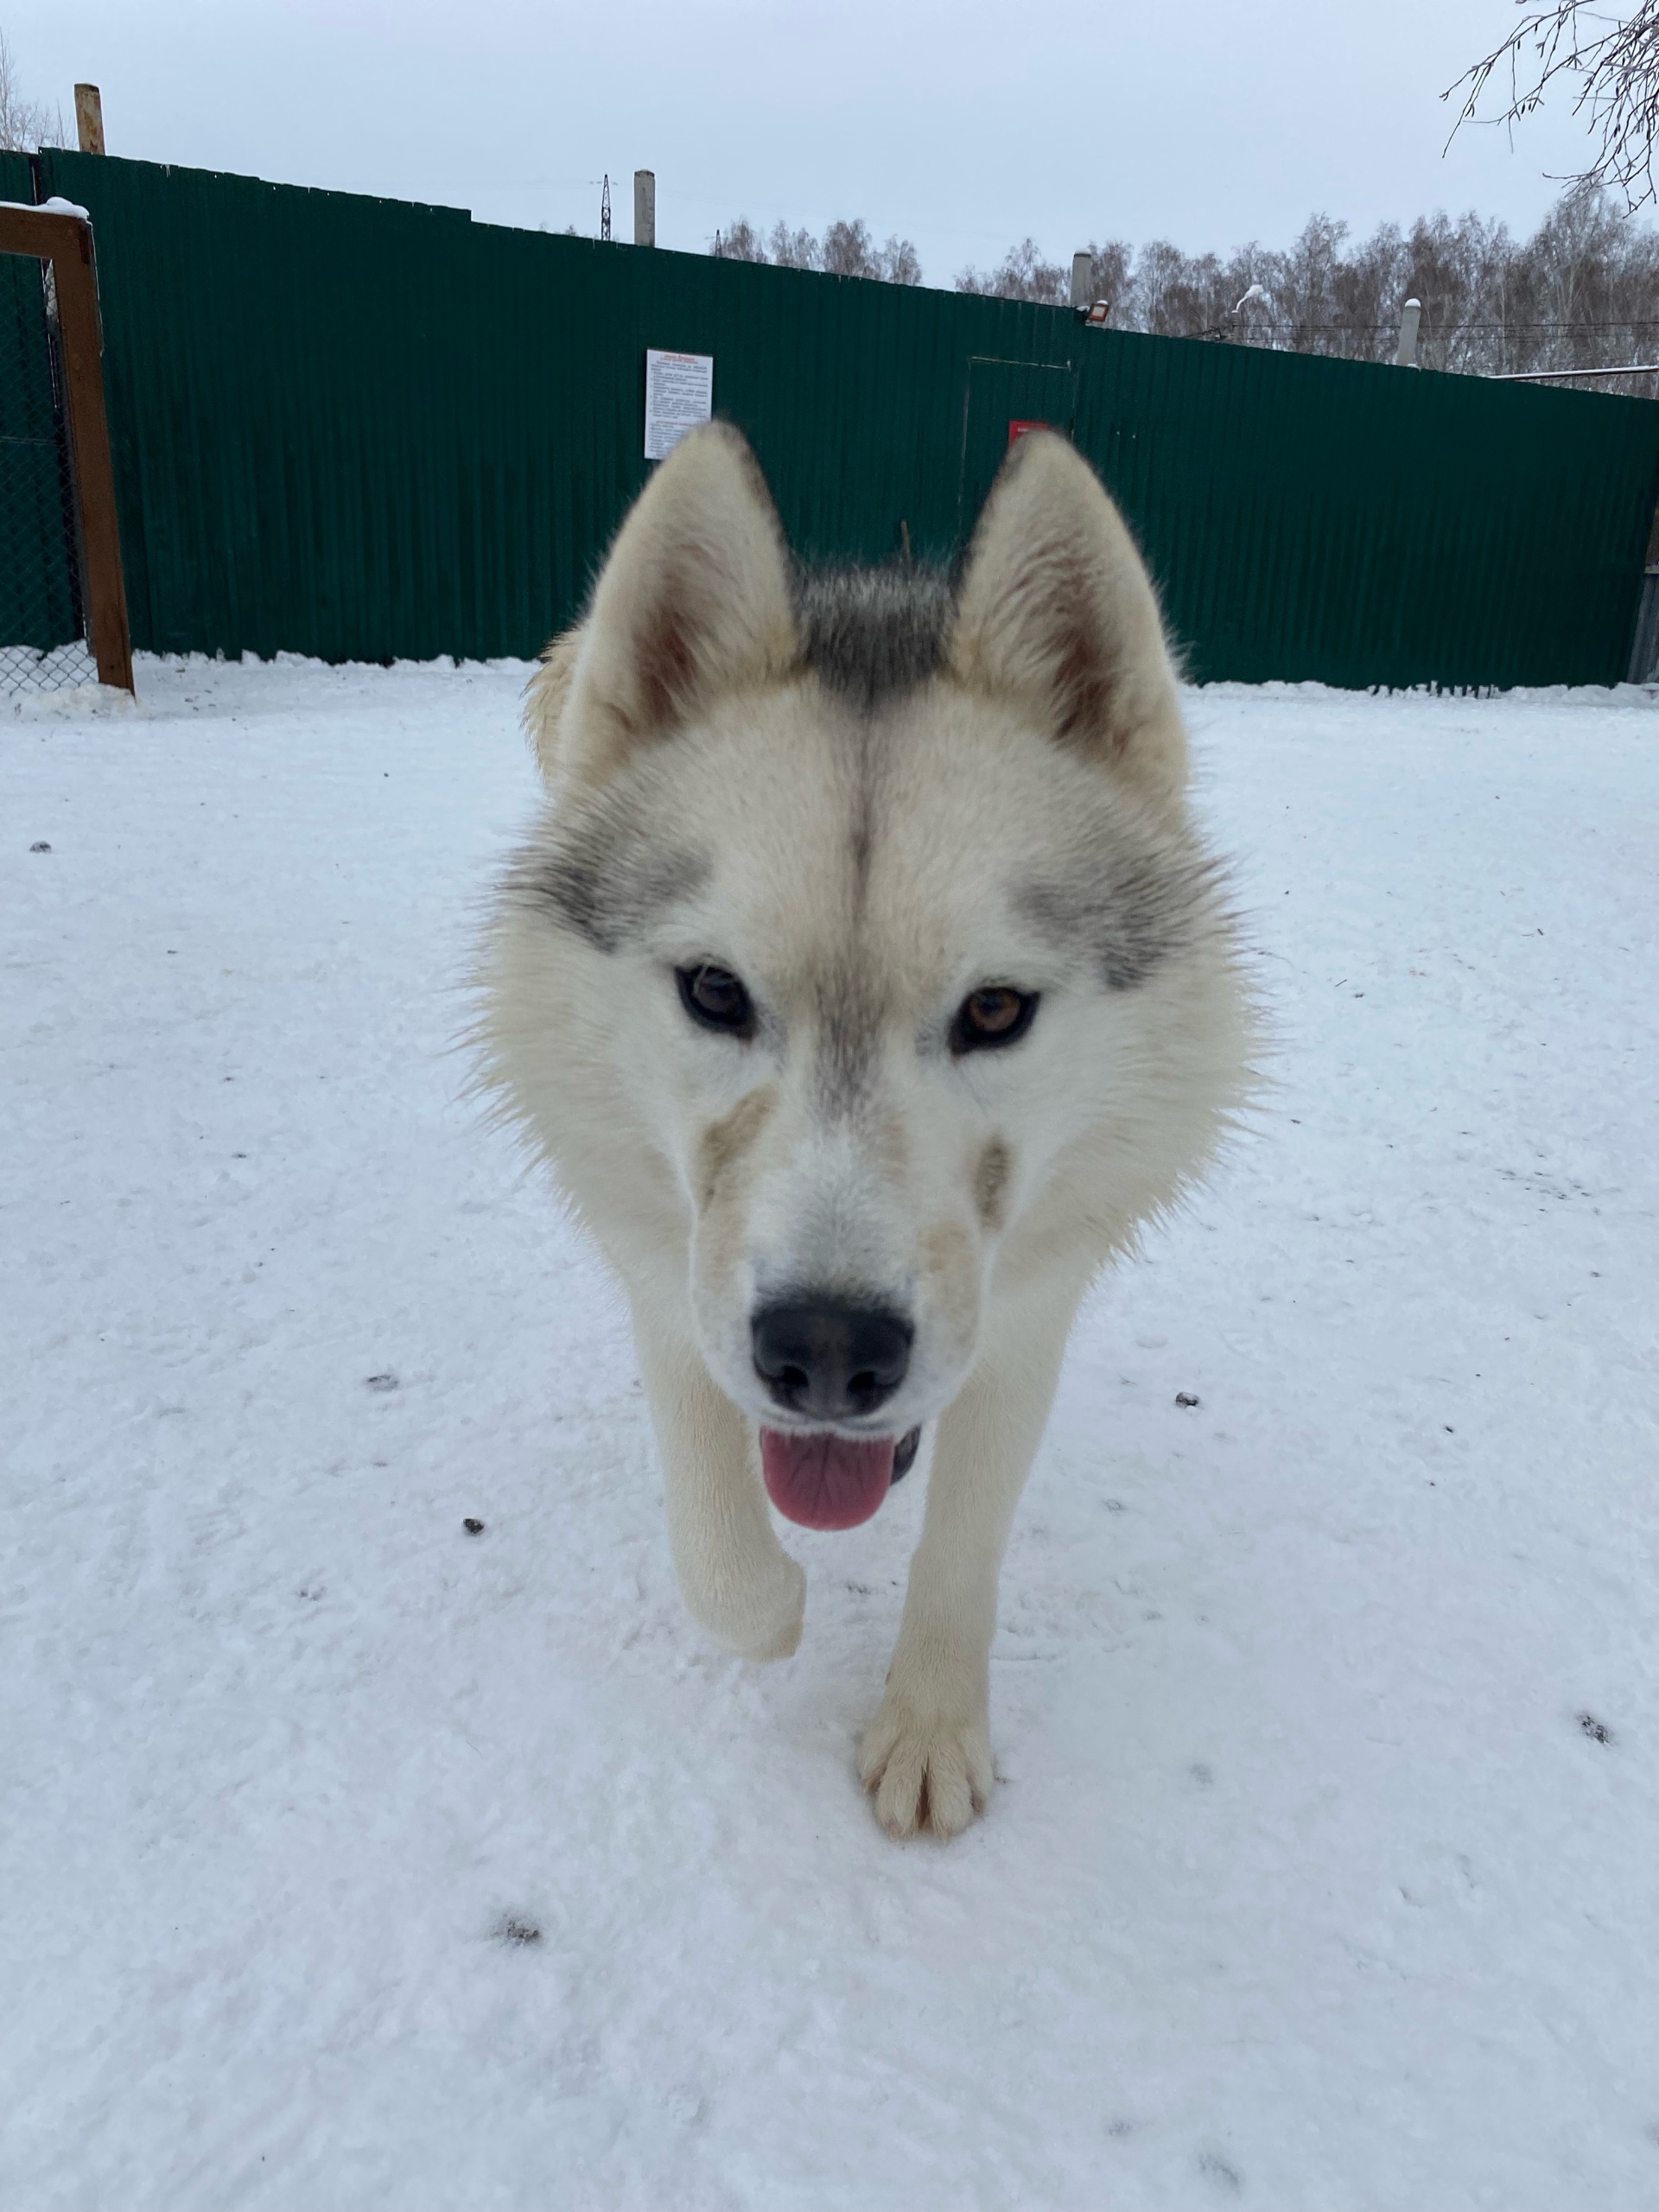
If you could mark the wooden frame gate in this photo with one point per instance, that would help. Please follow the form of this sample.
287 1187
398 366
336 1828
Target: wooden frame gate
71 370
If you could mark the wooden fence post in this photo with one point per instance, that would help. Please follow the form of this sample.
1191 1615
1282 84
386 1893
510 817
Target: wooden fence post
89 118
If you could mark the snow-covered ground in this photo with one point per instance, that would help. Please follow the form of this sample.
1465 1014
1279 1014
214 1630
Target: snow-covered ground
356 1861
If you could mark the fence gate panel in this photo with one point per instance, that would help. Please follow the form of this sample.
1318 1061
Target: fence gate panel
43 637
63 601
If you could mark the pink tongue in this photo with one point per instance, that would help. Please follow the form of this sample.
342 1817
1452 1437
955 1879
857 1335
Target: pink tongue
825 1482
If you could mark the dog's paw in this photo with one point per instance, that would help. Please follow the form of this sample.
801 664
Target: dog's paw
925 1771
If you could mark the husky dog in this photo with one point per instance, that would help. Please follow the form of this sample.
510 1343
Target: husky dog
865 984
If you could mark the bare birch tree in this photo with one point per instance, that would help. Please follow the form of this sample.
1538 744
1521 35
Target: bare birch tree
25 124
845 250
1022 274
1582 292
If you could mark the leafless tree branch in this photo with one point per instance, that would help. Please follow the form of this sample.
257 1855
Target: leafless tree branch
1613 61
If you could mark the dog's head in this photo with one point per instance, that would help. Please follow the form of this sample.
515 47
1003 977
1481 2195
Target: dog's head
869 913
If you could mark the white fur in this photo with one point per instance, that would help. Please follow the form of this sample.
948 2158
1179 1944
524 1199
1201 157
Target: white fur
713 1171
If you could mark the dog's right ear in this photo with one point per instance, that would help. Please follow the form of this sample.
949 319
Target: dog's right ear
1057 611
694 602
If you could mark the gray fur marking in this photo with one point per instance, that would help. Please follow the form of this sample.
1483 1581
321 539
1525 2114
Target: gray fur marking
1129 905
605 879
871 634
850 1013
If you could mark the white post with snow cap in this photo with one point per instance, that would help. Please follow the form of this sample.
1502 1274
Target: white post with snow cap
644 206
1083 279
1406 352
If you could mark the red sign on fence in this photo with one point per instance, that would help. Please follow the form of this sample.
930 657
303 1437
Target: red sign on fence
1017 430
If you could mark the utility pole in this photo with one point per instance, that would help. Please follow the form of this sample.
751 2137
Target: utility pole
1083 280
605 210
89 118
644 206
1405 355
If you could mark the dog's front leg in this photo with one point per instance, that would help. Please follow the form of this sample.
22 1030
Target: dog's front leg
926 1756
737 1580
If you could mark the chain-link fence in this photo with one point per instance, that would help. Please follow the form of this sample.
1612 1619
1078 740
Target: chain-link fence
43 630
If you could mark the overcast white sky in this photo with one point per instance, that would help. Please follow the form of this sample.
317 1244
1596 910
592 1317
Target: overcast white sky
964 127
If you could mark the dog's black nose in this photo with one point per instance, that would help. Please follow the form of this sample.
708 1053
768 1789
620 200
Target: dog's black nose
826 1357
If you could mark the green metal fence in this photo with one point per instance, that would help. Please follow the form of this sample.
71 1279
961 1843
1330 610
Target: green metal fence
367 430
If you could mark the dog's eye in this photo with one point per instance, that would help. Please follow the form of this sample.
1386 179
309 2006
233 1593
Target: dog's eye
995 1016
715 998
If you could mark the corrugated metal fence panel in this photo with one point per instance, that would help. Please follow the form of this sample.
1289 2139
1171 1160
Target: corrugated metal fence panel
363 429
1354 523
280 371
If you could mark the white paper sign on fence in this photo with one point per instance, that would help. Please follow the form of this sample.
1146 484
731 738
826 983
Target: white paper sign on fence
679 394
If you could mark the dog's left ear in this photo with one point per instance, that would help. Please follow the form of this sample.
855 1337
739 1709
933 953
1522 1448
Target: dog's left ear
1057 613
693 603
